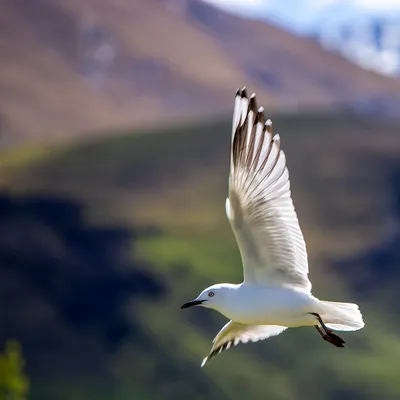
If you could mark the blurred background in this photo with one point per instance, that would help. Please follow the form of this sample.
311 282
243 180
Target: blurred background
114 140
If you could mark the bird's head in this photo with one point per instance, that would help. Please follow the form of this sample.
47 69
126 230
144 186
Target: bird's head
215 297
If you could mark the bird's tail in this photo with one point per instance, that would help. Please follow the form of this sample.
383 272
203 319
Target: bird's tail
341 316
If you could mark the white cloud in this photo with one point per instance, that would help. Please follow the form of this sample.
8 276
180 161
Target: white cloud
379 4
319 4
300 15
237 3
383 5
241 6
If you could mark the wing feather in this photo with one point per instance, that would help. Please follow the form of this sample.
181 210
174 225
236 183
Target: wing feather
259 207
234 333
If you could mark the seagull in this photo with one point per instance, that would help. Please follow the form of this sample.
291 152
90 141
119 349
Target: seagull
276 292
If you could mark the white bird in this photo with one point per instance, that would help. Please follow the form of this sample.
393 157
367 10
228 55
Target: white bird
276 292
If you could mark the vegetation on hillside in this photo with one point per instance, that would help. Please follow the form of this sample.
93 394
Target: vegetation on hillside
13 381
101 242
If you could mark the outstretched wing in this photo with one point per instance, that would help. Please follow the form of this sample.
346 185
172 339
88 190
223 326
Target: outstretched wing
234 333
259 206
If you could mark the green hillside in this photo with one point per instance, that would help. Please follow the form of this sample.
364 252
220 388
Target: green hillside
101 242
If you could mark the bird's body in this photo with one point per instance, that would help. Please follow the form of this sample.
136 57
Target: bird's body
276 292
254 305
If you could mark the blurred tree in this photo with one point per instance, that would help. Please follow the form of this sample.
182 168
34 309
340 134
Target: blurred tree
13 381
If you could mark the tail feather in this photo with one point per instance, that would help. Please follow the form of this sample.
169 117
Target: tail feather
341 316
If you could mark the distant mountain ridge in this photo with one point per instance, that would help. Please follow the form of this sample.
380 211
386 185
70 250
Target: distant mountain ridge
373 42
79 66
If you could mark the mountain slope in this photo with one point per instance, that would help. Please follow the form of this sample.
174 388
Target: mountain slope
101 242
290 66
74 67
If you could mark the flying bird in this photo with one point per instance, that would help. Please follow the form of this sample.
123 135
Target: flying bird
276 291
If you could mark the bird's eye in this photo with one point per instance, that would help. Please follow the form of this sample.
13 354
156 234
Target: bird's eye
210 294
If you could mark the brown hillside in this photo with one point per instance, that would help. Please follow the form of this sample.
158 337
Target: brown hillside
77 66
289 67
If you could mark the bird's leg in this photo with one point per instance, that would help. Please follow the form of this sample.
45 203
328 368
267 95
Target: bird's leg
320 331
327 334
323 326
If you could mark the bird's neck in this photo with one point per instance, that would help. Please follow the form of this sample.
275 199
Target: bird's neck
231 296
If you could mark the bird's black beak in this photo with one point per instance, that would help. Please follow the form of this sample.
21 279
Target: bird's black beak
192 303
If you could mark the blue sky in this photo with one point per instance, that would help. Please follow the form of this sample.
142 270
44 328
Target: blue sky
301 15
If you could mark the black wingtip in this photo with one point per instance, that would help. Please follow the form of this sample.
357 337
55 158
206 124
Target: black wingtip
253 103
243 93
237 92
